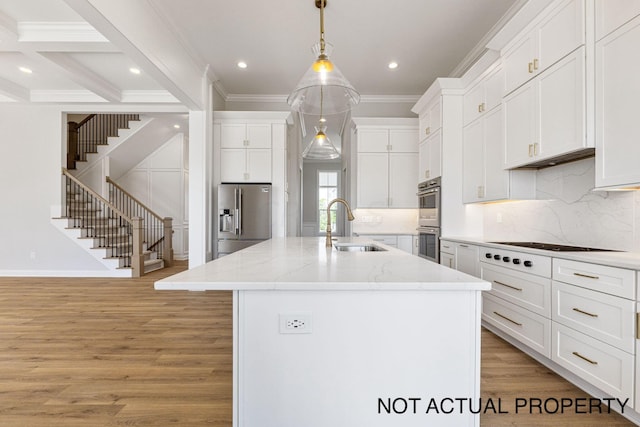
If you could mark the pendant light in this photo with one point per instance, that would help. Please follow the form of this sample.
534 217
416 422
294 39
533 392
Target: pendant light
321 148
323 79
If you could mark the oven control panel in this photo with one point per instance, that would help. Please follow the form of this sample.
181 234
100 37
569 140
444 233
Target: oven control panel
535 264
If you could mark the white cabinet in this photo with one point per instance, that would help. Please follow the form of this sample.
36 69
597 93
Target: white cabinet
245 152
467 259
406 243
611 14
594 324
387 164
430 157
556 32
483 176
431 118
460 256
545 118
484 95
245 135
617 108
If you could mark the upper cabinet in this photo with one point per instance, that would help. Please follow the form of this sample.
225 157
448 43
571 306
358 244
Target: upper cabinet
612 14
484 95
387 163
555 33
617 109
431 118
245 135
430 157
546 117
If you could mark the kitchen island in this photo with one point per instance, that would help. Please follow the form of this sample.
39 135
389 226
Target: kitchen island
327 337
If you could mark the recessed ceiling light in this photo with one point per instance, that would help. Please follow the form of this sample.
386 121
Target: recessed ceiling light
134 70
176 126
393 65
242 64
25 70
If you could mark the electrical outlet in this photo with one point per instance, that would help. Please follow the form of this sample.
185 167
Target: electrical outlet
295 323
499 218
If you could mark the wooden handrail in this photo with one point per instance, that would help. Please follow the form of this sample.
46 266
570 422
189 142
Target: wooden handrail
86 119
66 173
112 182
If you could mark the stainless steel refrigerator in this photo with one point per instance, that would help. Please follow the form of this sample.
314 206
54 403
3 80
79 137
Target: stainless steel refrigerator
244 216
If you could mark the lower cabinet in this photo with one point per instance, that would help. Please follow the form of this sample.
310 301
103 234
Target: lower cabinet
582 317
606 367
529 328
460 256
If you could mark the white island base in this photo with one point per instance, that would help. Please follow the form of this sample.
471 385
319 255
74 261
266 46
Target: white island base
347 339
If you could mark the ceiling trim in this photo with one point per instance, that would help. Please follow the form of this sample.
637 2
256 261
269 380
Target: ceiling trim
14 91
283 98
481 47
65 96
148 96
152 52
58 32
84 76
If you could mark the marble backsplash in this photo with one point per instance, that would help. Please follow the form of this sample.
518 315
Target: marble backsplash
566 211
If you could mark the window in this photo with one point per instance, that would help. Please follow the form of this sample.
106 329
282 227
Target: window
327 191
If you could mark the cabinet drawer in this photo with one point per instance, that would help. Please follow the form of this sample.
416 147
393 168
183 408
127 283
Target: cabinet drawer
447 247
527 327
528 291
601 278
605 317
606 367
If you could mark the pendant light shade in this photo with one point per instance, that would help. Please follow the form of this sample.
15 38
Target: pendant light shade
320 148
323 76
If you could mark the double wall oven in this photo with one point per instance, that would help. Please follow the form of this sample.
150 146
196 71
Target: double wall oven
429 219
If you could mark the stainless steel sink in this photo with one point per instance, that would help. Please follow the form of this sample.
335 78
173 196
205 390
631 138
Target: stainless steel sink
355 247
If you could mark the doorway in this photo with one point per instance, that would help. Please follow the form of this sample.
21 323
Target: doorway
321 184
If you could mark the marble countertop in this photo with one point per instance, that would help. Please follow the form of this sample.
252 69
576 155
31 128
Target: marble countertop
304 263
630 260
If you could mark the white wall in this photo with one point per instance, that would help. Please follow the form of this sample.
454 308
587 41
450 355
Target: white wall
568 212
30 183
160 182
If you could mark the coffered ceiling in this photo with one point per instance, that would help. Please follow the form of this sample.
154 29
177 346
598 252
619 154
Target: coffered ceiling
81 51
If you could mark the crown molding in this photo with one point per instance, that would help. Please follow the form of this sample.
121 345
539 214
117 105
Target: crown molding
65 96
283 98
148 96
58 32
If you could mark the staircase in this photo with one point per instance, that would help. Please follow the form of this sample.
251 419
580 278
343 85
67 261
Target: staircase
120 232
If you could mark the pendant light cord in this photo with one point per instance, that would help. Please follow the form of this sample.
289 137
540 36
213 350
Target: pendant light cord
322 26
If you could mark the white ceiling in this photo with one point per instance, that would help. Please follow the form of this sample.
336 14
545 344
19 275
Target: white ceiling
81 50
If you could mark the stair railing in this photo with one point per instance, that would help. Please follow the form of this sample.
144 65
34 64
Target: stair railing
94 130
158 231
98 218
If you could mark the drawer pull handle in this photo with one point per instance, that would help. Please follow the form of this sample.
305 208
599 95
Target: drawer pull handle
584 312
506 318
464 246
586 275
508 286
593 362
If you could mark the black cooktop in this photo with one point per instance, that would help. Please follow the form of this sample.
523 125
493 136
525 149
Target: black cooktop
553 247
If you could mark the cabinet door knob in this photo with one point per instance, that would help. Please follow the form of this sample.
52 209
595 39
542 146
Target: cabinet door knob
530 67
530 150
427 130
535 149
535 64
479 108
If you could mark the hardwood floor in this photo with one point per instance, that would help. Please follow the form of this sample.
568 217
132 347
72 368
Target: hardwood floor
115 352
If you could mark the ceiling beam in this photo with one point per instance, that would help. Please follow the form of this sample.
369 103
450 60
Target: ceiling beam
140 31
14 91
83 76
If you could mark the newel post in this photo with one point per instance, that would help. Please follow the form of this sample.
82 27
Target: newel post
167 242
72 144
137 259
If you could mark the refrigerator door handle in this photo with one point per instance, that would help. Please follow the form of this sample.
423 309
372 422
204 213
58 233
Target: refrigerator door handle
237 211
240 211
